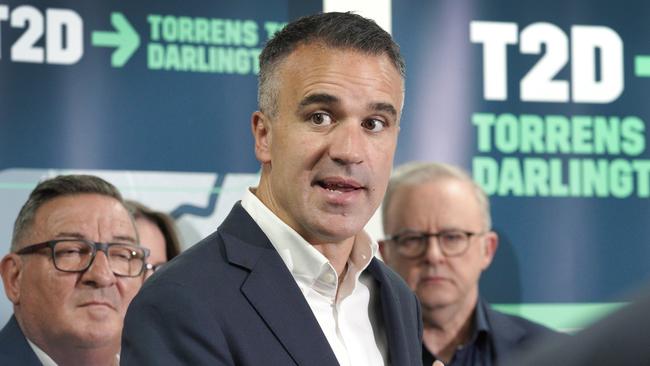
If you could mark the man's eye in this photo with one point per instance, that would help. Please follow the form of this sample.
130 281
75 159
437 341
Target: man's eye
453 237
125 256
409 239
373 125
321 119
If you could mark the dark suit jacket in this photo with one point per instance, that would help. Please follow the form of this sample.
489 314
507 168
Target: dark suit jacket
622 338
507 335
14 349
230 300
512 334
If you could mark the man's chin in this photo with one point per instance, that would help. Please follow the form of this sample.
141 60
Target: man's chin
435 299
336 230
95 335
97 312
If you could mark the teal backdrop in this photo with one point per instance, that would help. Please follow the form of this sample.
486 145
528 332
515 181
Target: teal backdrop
543 102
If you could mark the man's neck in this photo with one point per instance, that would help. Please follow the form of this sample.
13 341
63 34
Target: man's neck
104 356
63 356
337 254
447 327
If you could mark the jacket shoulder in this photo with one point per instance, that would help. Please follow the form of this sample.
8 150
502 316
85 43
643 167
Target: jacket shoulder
14 349
529 328
513 334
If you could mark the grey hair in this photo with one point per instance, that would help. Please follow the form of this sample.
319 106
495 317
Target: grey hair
416 173
337 30
49 189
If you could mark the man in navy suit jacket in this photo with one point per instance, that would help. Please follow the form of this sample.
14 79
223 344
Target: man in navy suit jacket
290 277
73 268
438 222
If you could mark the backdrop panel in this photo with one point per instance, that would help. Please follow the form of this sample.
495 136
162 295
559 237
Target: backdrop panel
542 101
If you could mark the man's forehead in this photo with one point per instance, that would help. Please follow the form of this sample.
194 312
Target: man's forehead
317 50
446 199
80 212
317 75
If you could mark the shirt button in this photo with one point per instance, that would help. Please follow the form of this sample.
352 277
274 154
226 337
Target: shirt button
328 277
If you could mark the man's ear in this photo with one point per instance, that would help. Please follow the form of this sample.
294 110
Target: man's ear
11 268
261 127
490 244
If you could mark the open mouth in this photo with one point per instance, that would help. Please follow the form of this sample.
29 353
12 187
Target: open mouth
339 186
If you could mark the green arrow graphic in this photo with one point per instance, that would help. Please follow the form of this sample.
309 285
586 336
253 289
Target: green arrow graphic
642 66
126 40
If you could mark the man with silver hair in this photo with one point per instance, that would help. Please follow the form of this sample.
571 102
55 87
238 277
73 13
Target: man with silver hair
438 225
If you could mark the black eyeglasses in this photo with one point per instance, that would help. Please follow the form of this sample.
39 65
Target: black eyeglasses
77 255
413 244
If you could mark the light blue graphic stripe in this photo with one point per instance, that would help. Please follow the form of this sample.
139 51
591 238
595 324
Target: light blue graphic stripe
568 317
212 190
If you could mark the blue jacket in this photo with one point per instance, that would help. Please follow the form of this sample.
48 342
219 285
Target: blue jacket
511 334
14 349
502 336
230 300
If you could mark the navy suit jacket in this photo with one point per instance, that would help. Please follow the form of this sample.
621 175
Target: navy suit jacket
511 334
230 300
508 334
14 349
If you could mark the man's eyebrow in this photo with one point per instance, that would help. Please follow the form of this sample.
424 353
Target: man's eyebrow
383 107
70 234
124 238
75 235
323 98
320 98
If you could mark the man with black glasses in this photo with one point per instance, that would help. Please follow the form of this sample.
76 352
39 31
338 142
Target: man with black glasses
74 266
439 240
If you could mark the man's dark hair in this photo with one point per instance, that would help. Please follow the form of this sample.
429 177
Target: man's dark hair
62 185
336 30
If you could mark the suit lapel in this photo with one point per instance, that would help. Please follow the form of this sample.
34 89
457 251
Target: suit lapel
393 320
273 293
506 334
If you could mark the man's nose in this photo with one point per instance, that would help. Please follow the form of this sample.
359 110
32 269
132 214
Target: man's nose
348 143
433 252
99 274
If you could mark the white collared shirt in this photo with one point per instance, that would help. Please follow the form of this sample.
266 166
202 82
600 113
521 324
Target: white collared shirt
346 319
45 359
